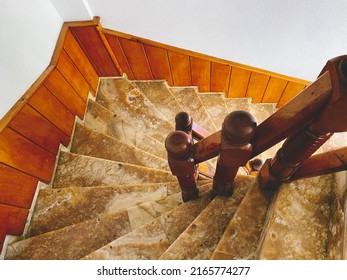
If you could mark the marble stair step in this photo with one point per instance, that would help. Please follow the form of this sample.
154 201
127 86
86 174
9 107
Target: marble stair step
234 104
151 240
104 121
91 143
215 107
191 103
159 94
242 235
199 240
75 170
261 111
80 239
61 207
121 97
298 221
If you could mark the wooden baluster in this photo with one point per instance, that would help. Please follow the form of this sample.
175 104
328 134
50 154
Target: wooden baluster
237 131
179 148
300 146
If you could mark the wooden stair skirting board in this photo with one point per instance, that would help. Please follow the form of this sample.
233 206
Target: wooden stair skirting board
43 118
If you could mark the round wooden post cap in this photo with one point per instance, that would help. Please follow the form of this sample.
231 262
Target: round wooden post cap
178 143
183 121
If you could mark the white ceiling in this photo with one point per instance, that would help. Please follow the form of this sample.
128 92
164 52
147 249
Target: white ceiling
291 37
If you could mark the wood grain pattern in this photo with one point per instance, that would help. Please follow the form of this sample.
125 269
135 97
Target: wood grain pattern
238 82
89 38
291 91
24 155
49 106
274 90
201 73
77 55
180 69
73 76
257 86
12 219
137 59
220 77
159 63
119 54
16 187
38 129
57 84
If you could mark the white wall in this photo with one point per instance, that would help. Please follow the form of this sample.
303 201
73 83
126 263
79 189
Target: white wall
28 30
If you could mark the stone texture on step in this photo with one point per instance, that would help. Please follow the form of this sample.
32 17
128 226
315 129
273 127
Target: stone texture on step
90 143
241 237
261 111
122 98
106 122
57 208
146 212
160 95
234 104
215 107
151 240
75 170
72 242
200 239
191 103
297 226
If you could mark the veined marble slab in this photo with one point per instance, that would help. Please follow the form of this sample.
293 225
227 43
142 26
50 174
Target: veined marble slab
234 104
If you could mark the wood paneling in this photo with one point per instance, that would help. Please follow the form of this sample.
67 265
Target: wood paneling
38 129
12 219
49 106
89 38
119 54
16 187
137 59
257 86
220 77
159 63
73 76
238 82
57 84
180 68
274 90
22 154
77 55
201 73
290 91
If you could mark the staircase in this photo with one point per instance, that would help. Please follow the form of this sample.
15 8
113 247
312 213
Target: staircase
113 196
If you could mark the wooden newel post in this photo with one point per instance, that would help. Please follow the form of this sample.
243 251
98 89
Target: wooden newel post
238 129
180 156
300 146
184 122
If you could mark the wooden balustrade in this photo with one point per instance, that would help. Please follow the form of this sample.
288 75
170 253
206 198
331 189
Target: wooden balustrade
300 146
238 129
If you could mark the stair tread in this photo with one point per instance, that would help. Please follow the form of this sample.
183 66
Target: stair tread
298 221
191 103
101 119
121 97
150 240
234 104
215 107
199 240
75 170
91 143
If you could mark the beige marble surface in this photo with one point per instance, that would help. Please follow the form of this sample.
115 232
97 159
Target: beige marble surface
241 237
298 225
215 107
200 239
104 121
160 95
91 143
120 97
234 104
82 171
151 240
191 103
57 208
